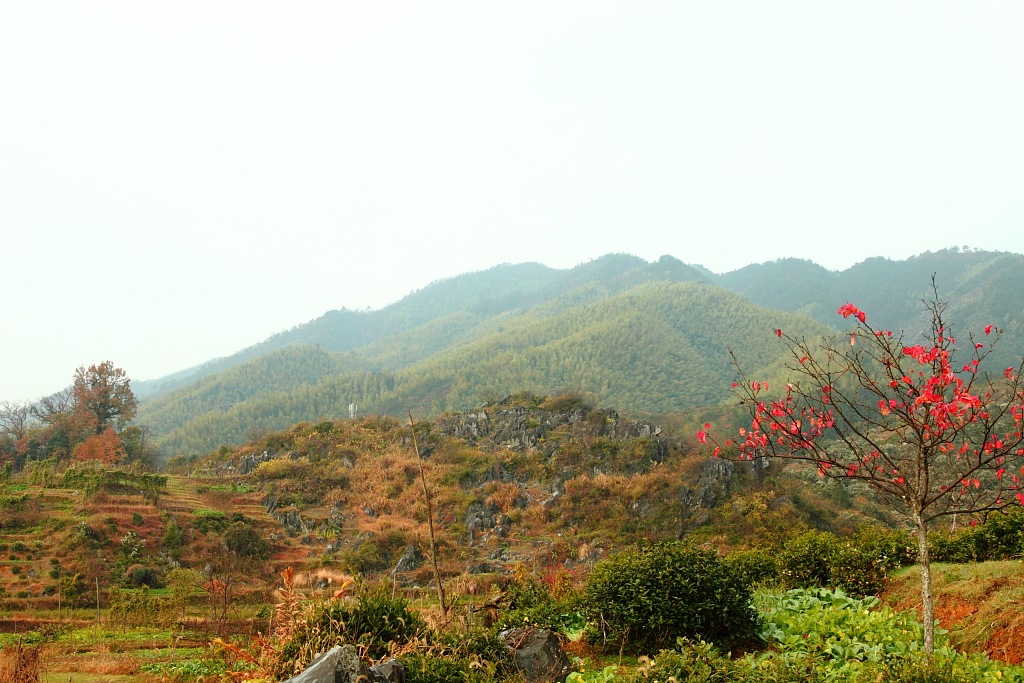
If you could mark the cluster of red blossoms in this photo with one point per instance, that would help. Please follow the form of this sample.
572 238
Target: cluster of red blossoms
936 399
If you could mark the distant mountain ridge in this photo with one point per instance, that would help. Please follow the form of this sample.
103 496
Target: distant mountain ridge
648 337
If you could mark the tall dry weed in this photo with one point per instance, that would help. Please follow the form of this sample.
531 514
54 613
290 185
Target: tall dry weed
20 664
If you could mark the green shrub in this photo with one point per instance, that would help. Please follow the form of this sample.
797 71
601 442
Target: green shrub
959 548
424 668
207 520
645 598
755 566
890 548
1000 537
244 541
372 621
859 565
365 557
530 603
807 559
138 575
174 539
946 667
701 662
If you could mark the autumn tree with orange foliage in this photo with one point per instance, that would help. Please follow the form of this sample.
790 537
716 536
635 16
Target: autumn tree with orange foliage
105 447
103 394
85 421
934 436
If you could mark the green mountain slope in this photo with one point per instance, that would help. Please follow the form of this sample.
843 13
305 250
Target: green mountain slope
656 347
649 337
982 288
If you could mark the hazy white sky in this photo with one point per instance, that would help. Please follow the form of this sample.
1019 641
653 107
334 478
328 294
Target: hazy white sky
181 180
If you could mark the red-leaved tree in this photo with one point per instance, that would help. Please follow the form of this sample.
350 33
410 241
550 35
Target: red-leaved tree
105 447
933 433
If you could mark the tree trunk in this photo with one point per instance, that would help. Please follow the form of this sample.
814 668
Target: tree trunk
927 599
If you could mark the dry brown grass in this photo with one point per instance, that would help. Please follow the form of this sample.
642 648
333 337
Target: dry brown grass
504 496
20 664
979 604
98 664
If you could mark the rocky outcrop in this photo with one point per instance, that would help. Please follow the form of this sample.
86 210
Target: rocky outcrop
411 559
290 518
484 520
537 654
507 424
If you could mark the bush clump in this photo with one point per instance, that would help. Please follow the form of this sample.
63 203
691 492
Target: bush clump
244 541
756 566
372 621
648 597
1000 537
530 603
859 565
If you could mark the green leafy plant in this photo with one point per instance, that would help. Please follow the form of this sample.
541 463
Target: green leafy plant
826 635
647 597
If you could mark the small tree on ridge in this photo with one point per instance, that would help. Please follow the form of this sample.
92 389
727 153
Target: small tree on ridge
932 437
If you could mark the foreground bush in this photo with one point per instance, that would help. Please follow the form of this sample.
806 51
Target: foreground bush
756 566
646 598
859 565
373 621
531 603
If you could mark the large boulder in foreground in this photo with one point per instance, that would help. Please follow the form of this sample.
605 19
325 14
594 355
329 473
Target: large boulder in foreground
537 654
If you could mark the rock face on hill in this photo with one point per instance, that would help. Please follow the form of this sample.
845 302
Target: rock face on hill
513 424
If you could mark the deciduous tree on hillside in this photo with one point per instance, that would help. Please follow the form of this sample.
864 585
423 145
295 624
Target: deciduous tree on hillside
84 421
934 434
104 392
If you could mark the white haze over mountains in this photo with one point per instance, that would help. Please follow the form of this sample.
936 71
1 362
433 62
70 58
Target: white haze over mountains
178 181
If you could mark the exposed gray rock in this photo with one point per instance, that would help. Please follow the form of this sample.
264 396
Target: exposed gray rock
537 654
291 519
713 483
410 559
480 518
506 424
390 671
349 668
340 664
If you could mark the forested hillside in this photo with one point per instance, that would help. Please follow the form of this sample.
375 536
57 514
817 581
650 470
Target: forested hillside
649 337
656 348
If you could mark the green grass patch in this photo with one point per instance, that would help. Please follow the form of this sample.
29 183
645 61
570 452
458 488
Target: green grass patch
237 487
